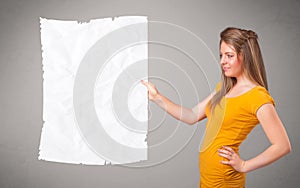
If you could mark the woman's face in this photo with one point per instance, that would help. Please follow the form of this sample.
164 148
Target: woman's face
230 62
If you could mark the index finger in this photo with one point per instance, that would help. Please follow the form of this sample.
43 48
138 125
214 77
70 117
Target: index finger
228 148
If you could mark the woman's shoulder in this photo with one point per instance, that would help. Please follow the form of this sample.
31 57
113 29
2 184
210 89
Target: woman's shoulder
260 95
261 91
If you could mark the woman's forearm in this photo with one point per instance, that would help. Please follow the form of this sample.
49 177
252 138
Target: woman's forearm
271 154
181 113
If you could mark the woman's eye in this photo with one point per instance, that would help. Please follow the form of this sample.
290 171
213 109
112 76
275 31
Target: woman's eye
229 56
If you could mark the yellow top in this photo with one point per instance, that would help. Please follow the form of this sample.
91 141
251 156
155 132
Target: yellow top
229 124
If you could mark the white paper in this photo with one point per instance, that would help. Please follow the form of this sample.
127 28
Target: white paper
94 107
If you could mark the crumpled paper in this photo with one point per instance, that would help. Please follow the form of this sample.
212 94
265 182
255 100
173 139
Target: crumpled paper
94 107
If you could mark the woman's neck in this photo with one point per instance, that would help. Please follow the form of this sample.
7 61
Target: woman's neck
243 80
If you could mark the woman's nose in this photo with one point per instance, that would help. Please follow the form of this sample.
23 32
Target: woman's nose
222 60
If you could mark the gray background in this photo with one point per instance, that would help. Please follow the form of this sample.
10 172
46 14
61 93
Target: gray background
276 22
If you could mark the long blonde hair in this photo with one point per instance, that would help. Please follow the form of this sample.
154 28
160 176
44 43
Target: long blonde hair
246 46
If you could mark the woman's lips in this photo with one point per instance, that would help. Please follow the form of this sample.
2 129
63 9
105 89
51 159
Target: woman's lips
226 68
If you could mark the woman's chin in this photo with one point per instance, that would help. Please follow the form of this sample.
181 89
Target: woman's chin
228 75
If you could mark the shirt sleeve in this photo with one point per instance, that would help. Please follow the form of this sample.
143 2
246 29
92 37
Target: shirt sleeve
260 98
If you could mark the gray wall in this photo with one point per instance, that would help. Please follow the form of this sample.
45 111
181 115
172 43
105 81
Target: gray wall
276 22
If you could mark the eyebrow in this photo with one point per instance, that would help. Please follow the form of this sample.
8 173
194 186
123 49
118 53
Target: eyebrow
227 53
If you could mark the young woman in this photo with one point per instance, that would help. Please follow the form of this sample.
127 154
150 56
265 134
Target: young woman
239 102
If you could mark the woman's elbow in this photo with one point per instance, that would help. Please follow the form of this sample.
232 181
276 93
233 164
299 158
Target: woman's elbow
191 122
286 149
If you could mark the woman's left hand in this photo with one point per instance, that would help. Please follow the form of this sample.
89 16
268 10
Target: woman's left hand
234 159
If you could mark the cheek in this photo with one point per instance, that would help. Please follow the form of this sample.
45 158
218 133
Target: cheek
237 64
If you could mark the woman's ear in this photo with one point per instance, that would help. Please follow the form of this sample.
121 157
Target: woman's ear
240 56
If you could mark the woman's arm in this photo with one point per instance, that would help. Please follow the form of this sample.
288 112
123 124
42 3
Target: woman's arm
186 115
276 133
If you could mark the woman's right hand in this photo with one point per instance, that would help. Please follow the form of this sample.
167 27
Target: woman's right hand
152 91
189 116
